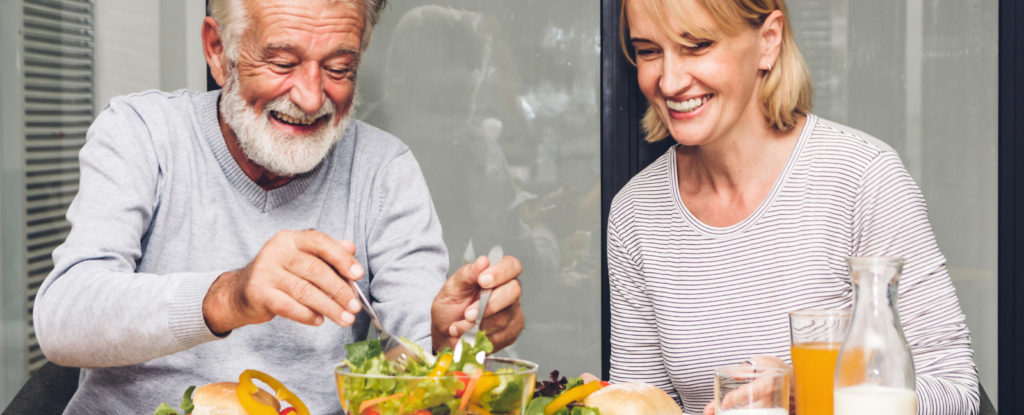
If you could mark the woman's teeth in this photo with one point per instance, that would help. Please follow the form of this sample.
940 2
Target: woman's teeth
293 121
688 105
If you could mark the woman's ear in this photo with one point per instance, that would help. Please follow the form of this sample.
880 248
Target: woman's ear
771 39
213 49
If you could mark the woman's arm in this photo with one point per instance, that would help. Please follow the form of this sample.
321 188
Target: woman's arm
891 218
635 342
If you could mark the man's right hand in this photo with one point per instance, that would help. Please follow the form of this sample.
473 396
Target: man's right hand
298 275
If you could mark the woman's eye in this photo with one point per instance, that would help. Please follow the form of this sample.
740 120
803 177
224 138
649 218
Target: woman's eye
702 45
646 52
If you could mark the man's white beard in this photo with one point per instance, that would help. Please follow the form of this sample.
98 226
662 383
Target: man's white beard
280 153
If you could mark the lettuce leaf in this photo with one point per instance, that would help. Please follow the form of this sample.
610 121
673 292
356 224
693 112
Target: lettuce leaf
505 398
536 406
186 404
360 352
165 409
585 410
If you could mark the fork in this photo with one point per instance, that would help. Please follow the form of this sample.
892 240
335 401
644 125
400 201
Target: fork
493 257
393 347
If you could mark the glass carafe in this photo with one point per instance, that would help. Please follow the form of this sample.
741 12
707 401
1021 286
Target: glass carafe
875 371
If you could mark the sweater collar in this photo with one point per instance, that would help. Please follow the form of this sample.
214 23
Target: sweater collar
264 200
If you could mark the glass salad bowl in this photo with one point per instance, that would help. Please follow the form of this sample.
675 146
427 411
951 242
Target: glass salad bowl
499 386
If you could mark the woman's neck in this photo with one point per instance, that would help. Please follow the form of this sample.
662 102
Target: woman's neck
725 180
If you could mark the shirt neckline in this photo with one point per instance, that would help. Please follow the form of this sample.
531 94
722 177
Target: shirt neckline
263 200
754 217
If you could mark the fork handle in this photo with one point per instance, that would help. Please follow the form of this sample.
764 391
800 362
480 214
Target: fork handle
366 305
485 296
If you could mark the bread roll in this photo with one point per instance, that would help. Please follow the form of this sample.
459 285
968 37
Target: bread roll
221 398
632 399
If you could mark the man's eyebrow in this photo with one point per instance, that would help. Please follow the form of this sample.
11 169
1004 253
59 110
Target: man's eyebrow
289 48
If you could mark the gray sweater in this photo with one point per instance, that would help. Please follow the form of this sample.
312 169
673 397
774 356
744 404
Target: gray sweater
163 209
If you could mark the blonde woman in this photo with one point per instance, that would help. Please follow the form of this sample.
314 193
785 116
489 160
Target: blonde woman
752 213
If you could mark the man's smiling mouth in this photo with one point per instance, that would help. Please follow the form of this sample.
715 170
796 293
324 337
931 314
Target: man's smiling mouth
298 122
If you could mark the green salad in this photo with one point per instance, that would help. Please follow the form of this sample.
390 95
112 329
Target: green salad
452 384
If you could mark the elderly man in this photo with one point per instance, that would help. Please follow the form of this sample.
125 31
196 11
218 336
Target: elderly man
204 216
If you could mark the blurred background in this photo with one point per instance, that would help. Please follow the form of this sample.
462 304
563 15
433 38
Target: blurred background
501 102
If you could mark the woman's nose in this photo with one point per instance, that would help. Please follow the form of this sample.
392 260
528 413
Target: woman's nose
675 75
308 88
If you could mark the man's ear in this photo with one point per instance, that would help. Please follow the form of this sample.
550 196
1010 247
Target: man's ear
771 39
213 49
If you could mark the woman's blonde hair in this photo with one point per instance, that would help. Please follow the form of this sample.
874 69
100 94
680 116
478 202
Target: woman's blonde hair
786 91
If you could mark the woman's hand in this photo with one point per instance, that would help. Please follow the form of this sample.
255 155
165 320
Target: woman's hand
762 390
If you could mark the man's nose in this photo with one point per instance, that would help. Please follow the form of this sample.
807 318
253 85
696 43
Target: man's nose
307 89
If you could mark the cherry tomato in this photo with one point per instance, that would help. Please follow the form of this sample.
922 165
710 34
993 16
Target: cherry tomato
604 383
462 378
288 410
371 411
422 412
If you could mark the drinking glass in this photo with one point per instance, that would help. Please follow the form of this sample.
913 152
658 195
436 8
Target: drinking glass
751 390
815 338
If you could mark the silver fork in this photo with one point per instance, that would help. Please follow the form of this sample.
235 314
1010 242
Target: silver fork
493 257
392 346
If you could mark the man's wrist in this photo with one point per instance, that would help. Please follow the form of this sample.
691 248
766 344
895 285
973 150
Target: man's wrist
214 303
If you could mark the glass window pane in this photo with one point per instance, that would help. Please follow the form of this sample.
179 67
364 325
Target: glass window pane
499 102
922 76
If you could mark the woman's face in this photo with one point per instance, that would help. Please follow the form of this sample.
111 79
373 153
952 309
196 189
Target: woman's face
704 91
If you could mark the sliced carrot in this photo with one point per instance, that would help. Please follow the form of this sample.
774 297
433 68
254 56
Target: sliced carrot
469 389
371 402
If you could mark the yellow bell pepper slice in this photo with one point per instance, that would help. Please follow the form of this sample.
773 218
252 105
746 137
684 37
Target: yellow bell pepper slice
572 395
442 365
246 390
487 381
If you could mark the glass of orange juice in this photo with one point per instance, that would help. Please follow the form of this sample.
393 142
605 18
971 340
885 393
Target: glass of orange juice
815 337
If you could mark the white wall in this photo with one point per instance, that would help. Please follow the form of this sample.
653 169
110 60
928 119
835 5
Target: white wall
148 44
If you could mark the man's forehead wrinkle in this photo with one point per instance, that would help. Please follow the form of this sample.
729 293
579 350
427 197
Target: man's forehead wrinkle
320 19
281 26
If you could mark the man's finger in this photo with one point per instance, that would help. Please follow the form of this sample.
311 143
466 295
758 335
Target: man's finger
459 327
498 321
501 298
508 334
322 275
504 271
340 255
464 281
310 295
281 304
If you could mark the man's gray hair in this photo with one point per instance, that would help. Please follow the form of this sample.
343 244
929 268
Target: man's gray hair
232 20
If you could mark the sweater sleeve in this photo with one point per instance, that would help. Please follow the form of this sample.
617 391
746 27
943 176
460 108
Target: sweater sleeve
891 218
94 310
407 258
635 343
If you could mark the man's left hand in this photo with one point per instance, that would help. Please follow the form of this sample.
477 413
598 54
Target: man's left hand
455 307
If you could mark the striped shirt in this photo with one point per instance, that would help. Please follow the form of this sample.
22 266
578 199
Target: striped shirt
687 297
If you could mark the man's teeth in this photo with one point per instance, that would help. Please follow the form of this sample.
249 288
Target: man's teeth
294 121
688 105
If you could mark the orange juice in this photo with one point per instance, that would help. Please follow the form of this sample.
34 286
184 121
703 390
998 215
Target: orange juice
813 367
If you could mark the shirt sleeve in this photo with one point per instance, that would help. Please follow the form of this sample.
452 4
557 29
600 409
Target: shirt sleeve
891 218
94 310
407 258
636 354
